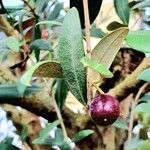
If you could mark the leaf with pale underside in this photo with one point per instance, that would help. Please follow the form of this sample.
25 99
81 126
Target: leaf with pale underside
107 49
42 69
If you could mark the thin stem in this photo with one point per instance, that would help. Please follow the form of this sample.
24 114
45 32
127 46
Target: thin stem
133 105
31 9
87 25
98 89
88 49
57 109
136 21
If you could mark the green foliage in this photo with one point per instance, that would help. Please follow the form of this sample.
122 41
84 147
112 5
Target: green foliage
139 40
81 135
7 145
115 25
100 68
120 123
43 135
143 107
122 9
70 53
145 98
96 32
61 93
10 91
40 6
40 44
56 11
145 75
42 69
24 134
49 23
107 49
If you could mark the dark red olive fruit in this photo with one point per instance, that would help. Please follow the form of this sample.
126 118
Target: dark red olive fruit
104 109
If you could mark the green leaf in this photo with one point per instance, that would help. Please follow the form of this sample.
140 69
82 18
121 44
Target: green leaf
61 93
106 50
122 9
36 35
65 146
43 69
145 98
145 75
45 132
7 147
10 91
145 145
40 6
143 107
24 134
96 32
12 43
49 23
142 4
40 44
120 123
59 137
55 13
81 135
100 68
115 25
139 40
71 51
6 144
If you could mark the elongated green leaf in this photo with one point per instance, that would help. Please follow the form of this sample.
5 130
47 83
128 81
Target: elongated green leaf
115 25
24 134
43 69
143 107
145 75
11 92
120 123
142 4
70 53
61 93
40 44
81 135
122 9
50 23
100 68
65 146
145 98
96 32
109 46
45 132
139 40
55 13
40 6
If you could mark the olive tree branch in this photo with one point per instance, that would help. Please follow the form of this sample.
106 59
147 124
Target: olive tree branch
51 95
88 49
